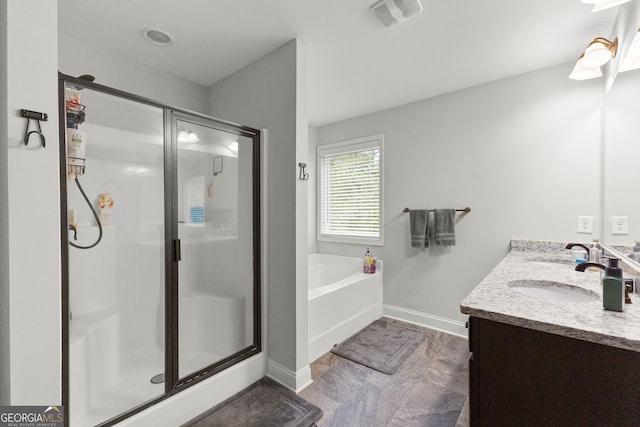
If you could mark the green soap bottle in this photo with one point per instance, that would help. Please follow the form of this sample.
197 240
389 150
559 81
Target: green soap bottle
613 287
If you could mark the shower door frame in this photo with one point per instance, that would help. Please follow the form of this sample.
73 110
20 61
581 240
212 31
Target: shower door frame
173 383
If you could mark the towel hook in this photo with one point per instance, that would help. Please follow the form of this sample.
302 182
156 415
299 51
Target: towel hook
303 176
37 116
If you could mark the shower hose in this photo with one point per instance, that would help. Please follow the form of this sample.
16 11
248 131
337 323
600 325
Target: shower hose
95 214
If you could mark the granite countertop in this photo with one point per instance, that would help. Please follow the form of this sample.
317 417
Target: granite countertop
492 299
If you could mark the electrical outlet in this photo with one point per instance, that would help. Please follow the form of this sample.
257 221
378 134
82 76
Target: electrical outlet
585 224
619 225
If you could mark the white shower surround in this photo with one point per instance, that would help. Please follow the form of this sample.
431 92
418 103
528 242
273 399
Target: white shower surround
100 371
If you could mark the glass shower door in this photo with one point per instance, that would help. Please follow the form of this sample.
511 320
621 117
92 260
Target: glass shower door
215 228
115 256
161 273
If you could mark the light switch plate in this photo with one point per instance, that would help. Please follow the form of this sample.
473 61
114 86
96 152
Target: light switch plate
585 224
619 225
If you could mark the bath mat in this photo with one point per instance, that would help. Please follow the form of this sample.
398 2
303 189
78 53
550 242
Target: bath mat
382 345
263 404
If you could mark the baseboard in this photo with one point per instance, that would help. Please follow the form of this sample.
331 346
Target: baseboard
430 321
295 381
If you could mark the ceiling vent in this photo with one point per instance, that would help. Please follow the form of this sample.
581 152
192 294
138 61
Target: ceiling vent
392 12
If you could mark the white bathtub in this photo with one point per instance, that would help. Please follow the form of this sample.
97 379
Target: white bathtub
342 300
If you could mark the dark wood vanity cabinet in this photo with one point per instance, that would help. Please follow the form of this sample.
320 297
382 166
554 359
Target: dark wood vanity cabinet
523 377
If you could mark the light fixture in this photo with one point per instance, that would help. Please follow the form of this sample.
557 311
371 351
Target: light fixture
234 146
599 5
157 36
187 136
599 52
580 72
632 60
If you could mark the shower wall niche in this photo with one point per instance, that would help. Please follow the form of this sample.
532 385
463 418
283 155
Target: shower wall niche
161 288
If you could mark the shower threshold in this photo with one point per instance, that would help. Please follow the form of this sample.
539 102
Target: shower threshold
135 386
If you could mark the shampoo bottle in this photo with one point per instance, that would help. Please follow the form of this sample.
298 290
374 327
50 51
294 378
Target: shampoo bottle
613 287
635 253
595 254
367 262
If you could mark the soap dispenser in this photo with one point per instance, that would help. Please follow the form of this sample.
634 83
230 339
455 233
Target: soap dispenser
613 287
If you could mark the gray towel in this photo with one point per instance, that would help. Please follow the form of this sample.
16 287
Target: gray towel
444 233
419 224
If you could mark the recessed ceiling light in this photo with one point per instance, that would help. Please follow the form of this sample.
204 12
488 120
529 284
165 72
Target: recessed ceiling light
157 37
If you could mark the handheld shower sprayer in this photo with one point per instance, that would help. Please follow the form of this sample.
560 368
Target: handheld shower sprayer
76 143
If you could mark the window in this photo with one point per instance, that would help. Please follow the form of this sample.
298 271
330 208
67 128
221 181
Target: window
350 191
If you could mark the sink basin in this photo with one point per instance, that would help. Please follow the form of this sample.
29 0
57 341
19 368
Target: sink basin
553 291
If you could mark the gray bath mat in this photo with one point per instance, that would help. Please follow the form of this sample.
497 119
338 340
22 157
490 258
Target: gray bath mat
262 404
382 345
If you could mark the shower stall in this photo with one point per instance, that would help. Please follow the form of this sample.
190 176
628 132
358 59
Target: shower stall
161 250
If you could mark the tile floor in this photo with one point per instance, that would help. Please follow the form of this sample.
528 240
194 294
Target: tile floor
429 388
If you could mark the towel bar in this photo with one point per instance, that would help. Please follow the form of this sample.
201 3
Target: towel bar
467 209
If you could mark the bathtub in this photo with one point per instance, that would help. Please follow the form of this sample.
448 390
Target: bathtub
342 300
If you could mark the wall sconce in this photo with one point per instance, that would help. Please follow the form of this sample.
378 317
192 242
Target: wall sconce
599 5
580 72
632 60
187 136
598 53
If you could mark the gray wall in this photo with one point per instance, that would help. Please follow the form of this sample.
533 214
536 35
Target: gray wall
263 95
77 58
621 154
522 152
4 220
33 204
312 245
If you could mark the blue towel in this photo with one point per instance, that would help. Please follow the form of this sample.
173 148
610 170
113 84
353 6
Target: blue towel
444 232
419 226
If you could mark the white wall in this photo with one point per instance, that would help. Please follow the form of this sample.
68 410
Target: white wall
4 221
33 205
265 94
522 152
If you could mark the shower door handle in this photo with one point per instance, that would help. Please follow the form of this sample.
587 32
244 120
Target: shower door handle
176 250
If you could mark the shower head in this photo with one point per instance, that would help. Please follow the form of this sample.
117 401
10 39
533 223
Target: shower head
86 77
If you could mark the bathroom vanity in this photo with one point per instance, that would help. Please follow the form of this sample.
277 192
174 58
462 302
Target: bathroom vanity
550 358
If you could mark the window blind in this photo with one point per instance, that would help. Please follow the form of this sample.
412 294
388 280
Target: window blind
350 191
